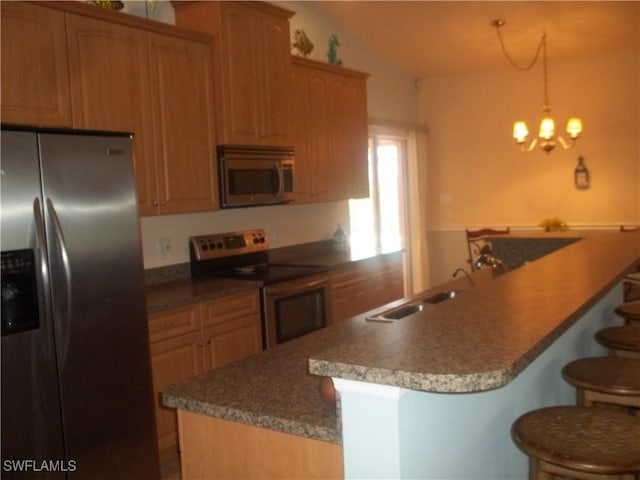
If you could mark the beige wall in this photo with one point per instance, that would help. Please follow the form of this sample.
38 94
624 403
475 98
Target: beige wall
478 177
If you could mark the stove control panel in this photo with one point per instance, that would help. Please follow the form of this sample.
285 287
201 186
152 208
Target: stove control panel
219 245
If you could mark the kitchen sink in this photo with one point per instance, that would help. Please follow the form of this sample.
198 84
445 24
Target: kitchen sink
439 297
417 305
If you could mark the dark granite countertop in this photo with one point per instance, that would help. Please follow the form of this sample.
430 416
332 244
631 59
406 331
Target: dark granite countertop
171 287
177 293
480 340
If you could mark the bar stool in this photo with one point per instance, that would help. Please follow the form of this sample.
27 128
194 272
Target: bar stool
621 341
579 442
630 312
608 380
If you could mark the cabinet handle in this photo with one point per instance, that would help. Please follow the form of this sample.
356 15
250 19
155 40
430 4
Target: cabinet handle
162 203
155 204
200 344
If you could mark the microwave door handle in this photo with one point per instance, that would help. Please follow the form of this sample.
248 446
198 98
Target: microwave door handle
280 171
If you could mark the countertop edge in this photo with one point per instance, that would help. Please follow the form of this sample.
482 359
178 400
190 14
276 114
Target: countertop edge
291 427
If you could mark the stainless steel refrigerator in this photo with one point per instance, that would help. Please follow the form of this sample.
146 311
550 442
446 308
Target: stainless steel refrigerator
77 398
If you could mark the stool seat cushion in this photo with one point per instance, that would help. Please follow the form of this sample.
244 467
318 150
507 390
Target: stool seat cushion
629 310
620 338
613 375
588 439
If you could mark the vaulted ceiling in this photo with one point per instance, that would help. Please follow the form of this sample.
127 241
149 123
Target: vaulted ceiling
429 38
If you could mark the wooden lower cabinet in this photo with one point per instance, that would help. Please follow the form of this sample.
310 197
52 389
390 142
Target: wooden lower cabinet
231 329
362 286
214 448
187 341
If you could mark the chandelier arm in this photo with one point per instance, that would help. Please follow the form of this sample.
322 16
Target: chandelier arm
508 57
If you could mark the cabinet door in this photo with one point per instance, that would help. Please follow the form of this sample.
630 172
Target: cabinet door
348 139
231 328
176 354
310 123
241 73
182 109
35 76
172 361
387 286
110 85
273 83
355 124
349 292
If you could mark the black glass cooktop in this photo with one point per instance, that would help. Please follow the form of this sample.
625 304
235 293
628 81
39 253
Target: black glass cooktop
270 274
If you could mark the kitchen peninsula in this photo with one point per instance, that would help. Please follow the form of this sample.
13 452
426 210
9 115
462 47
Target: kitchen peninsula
430 396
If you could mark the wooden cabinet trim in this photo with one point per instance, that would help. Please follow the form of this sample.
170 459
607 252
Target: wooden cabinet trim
92 11
173 323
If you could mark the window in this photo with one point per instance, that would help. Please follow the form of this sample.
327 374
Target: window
377 222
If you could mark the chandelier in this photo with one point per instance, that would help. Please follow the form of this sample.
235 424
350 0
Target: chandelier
547 138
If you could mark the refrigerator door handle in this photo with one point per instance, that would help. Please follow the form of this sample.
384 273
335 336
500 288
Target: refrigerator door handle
41 249
60 240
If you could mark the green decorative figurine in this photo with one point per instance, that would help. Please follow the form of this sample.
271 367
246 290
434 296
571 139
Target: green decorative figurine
333 50
301 43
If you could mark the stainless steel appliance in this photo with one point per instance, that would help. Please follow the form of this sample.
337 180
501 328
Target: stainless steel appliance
251 176
77 398
294 297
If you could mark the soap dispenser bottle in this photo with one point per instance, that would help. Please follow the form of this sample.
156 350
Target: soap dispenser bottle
340 240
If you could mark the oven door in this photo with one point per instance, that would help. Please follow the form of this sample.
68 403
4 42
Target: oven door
293 309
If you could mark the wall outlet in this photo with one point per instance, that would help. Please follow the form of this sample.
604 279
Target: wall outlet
164 247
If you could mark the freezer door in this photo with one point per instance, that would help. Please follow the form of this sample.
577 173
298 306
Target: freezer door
30 413
98 296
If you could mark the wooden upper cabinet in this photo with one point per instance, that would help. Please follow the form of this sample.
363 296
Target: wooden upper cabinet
348 141
310 130
252 63
73 65
329 125
35 76
110 85
184 128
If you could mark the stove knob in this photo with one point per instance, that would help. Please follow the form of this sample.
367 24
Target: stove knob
205 246
219 245
262 239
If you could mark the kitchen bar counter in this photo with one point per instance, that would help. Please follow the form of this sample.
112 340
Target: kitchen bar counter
485 337
480 340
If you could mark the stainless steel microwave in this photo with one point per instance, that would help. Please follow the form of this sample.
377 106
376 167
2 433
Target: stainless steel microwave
251 175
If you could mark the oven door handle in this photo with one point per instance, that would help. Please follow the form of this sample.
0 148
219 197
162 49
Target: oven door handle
290 288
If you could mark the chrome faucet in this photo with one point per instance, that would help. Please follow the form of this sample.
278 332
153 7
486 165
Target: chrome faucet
490 260
466 274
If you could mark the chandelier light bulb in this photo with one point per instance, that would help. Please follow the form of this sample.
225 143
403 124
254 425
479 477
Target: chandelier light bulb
547 128
574 127
520 131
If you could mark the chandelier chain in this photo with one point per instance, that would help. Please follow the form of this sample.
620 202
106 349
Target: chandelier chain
541 46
